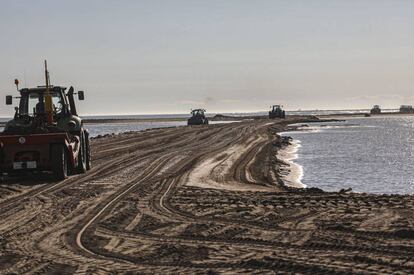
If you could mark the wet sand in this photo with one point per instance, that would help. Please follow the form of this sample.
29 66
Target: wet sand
203 199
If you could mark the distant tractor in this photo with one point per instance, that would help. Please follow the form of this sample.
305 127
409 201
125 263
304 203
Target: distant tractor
46 133
406 109
277 112
197 117
375 110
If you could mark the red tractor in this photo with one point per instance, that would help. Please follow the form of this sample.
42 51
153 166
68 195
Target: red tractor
46 133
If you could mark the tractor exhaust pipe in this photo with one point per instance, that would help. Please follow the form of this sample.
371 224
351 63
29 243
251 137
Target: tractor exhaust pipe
72 102
48 98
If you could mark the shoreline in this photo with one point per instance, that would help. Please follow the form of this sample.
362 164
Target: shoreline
294 171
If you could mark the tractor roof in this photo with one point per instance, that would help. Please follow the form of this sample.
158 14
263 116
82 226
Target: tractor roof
42 89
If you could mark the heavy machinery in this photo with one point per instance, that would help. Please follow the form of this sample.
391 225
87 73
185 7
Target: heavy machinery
406 109
46 133
197 117
276 111
375 110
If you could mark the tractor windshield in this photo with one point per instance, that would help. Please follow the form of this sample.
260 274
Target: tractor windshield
33 103
198 112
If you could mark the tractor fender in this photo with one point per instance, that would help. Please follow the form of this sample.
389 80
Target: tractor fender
70 124
72 148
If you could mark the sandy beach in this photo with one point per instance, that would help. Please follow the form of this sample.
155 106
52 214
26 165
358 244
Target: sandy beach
203 199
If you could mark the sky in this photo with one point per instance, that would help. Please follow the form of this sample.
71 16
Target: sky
151 57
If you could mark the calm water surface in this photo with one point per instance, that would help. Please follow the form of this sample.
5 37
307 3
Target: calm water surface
374 154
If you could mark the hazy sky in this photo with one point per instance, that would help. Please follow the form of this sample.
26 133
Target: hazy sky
140 57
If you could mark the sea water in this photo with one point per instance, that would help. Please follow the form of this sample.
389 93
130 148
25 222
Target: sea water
373 154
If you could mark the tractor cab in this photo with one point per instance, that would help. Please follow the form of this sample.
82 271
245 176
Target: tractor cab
32 102
197 117
32 114
276 111
198 113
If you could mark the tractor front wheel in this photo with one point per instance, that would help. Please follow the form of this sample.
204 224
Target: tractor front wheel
59 162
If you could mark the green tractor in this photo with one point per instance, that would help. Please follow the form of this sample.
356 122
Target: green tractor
46 133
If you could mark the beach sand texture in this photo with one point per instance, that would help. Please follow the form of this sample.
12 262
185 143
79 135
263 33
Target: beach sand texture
201 199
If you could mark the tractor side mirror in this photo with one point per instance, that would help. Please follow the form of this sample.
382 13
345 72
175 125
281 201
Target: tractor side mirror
81 95
9 100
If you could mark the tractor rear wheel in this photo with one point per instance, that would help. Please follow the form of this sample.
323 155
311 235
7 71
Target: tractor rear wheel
59 162
88 152
81 167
